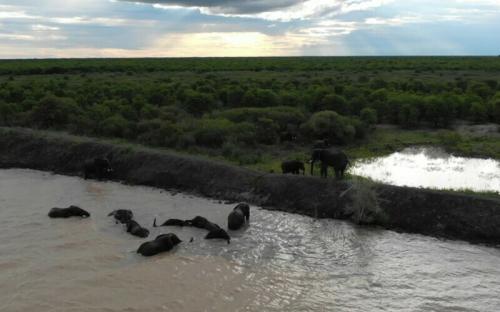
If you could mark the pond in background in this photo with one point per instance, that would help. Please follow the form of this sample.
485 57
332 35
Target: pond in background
431 167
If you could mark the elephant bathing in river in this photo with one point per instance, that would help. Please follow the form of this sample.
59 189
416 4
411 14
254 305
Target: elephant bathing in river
330 157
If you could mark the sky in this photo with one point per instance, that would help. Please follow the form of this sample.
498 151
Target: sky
213 28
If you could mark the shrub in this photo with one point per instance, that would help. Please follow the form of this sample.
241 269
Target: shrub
158 133
478 112
408 116
54 112
369 116
332 126
213 132
8 112
115 126
197 103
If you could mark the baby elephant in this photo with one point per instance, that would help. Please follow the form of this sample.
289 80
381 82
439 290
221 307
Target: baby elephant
71 211
122 215
218 233
170 222
162 243
238 216
293 166
135 229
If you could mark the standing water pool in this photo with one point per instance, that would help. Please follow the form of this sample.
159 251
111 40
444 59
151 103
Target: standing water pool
281 262
432 168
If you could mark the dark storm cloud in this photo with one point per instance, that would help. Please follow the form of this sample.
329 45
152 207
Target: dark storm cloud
229 6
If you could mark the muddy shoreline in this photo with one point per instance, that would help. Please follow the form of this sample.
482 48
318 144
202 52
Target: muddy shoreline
437 213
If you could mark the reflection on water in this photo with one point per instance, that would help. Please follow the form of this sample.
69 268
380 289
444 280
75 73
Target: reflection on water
281 262
432 168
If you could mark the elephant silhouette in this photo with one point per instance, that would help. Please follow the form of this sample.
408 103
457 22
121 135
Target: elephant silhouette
330 157
293 166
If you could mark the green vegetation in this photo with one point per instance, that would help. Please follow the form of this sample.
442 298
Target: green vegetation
259 111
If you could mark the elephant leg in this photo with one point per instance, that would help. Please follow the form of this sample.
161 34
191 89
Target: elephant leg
324 170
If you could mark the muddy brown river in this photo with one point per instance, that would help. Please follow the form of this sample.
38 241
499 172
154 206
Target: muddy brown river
281 262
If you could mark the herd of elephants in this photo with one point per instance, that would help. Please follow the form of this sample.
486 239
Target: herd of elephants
100 168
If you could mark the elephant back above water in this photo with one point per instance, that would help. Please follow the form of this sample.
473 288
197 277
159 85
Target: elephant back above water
333 157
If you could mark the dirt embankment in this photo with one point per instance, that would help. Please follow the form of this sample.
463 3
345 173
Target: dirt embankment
436 213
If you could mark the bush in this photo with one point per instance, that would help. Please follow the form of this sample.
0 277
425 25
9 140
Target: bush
408 116
197 103
369 116
213 132
479 112
54 112
158 132
331 126
8 114
335 103
115 126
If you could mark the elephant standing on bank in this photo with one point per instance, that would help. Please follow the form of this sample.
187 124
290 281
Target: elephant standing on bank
330 157
293 166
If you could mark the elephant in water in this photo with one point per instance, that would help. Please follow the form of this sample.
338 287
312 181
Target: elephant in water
161 243
122 215
293 166
71 211
171 222
238 216
214 231
136 229
98 168
330 157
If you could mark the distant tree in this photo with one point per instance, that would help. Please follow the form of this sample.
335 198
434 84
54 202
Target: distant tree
197 103
369 116
54 112
335 103
479 112
408 116
332 126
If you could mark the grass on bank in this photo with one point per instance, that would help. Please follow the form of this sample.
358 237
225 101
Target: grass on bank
381 142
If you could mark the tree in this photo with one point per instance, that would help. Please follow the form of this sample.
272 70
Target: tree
332 126
335 103
369 116
54 112
197 103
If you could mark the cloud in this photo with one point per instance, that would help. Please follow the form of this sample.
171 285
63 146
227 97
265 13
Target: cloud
273 10
40 27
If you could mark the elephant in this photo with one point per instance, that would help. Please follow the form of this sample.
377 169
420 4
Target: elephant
198 222
99 168
135 229
161 243
71 211
218 233
170 222
293 166
330 157
122 215
214 231
238 216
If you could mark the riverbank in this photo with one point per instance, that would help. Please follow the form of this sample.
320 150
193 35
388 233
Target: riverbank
444 214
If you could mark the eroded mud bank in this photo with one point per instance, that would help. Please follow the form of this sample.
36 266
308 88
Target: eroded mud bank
444 214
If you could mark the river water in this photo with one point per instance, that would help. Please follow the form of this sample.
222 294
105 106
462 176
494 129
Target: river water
432 168
281 262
